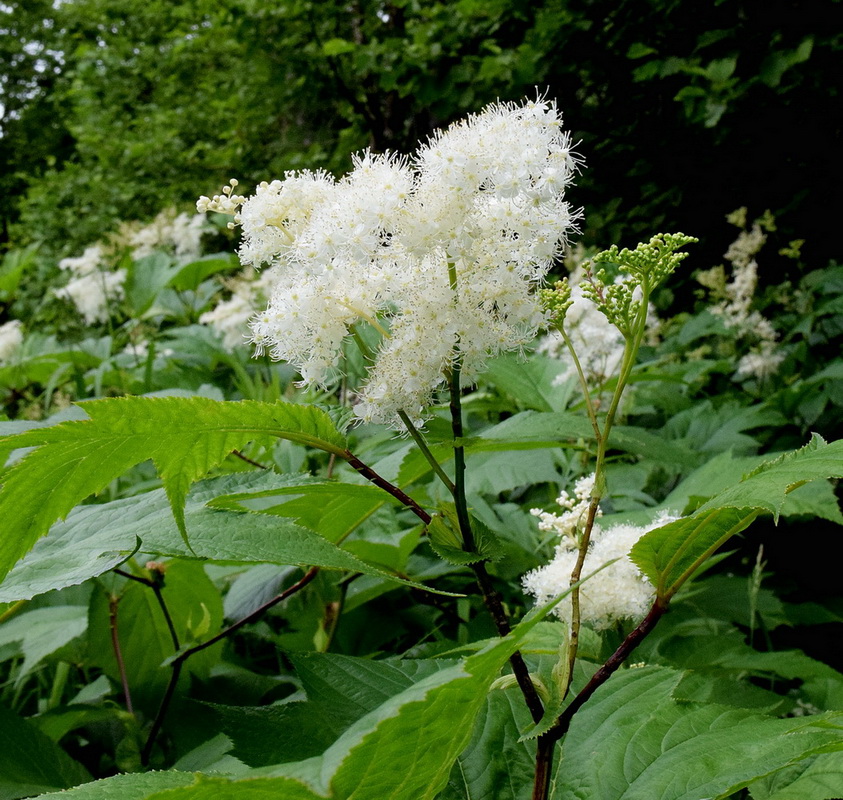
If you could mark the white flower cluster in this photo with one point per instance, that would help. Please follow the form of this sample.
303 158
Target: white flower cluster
618 592
230 317
11 338
181 233
567 525
92 287
735 305
443 250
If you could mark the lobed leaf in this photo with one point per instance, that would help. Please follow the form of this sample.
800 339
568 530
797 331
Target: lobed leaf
184 437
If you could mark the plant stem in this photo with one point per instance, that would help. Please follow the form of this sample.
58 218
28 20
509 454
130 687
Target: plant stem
390 488
113 602
546 744
643 629
422 445
491 598
179 660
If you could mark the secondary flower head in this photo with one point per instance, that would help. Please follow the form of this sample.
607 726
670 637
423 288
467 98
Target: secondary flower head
617 592
441 253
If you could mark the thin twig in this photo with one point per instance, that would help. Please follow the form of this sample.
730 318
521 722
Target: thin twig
113 602
156 586
370 475
179 660
248 460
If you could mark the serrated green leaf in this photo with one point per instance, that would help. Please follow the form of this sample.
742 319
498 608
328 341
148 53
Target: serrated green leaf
207 788
494 763
650 746
96 538
819 779
419 732
767 486
174 785
126 787
30 763
184 437
341 689
670 554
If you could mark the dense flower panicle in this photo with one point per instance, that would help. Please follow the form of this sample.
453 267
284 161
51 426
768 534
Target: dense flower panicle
11 338
733 304
442 253
92 293
618 592
180 233
90 261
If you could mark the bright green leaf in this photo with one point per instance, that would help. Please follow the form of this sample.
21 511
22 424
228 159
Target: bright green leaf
184 437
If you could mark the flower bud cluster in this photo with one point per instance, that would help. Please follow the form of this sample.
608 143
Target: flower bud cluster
642 270
441 252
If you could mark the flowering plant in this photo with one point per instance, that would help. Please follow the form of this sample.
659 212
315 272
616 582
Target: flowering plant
424 270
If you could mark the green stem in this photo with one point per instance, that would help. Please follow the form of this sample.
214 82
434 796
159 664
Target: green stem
589 406
422 445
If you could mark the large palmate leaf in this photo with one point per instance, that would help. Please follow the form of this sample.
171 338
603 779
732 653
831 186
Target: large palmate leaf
97 538
651 746
670 554
184 437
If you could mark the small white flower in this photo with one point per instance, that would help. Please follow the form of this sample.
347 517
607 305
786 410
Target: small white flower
92 293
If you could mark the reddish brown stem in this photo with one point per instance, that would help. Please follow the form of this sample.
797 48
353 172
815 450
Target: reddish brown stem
113 602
